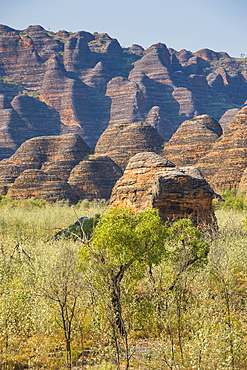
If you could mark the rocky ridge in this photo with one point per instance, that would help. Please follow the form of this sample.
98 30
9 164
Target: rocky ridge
89 81
226 162
123 100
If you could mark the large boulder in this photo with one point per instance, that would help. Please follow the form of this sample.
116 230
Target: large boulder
151 181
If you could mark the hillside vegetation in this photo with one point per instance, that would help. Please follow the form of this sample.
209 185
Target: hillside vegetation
137 295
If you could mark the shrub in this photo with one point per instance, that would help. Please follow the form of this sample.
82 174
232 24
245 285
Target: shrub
232 199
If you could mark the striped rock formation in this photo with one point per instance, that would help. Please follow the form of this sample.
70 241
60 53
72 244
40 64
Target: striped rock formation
122 141
151 181
54 155
226 162
192 140
40 185
94 178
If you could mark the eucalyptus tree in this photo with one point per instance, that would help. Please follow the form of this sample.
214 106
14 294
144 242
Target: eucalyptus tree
124 245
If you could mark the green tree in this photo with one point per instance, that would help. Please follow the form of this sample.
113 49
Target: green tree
123 246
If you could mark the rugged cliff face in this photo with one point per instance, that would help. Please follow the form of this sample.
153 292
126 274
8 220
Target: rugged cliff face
151 181
88 81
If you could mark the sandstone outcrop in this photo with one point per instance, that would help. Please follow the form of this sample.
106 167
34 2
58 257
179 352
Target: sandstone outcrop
227 117
94 178
55 168
242 187
224 165
13 130
40 185
54 155
151 181
192 140
84 83
210 55
76 54
122 141
89 80
127 101
39 119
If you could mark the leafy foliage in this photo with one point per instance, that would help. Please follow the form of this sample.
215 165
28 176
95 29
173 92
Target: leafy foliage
232 199
182 304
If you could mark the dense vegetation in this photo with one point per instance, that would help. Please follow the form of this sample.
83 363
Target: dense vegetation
134 294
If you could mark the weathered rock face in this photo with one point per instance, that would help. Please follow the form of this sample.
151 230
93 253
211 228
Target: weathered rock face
22 119
76 53
122 141
40 185
210 55
98 77
69 97
84 83
151 181
39 119
54 168
94 178
127 101
13 130
224 165
227 118
89 81
55 155
192 140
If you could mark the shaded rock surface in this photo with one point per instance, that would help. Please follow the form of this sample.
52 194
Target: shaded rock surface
227 117
13 130
39 119
83 83
94 177
224 165
90 81
127 101
36 183
55 155
192 140
151 181
122 141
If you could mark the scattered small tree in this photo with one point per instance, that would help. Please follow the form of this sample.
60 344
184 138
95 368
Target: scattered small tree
124 244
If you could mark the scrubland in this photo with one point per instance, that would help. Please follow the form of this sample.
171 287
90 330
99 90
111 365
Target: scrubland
56 305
